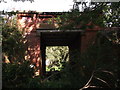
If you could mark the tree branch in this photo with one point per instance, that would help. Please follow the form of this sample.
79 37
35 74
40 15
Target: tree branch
88 83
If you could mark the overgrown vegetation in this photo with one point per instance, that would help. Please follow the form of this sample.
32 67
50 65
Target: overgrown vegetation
15 70
97 15
12 41
16 75
98 67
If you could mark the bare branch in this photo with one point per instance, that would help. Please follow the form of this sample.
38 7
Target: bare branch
108 72
88 83
102 81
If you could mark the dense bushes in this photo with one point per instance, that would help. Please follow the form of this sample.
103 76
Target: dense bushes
12 41
16 75
97 67
102 59
15 70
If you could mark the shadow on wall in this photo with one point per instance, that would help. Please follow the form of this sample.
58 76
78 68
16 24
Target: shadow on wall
28 26
28 23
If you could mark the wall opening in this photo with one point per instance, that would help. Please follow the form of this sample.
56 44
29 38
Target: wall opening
56 57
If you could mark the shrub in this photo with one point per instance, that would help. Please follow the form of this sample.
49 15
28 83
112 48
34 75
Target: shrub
16 75
97 67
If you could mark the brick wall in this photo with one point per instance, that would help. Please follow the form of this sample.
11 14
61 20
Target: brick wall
87 39
28 26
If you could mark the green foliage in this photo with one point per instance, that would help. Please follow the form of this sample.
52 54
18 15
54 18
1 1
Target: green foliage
97 14
34 83
111 14
56 84
98 67
16 75
56 56
102 60
76 19
12 43
18 72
